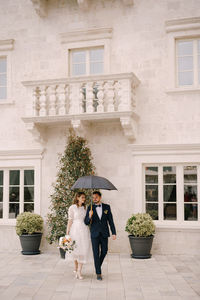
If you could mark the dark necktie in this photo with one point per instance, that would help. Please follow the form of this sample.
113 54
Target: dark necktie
98 205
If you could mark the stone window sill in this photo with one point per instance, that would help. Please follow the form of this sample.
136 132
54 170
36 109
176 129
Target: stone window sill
183 90
3 102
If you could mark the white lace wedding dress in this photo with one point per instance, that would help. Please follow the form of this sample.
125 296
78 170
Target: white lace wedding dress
80 233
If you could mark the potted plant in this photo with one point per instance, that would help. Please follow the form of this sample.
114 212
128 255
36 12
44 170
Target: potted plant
29 227
141 231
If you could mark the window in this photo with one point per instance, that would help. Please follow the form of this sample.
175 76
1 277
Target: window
171 192
190 193
18 185
87 61
188 62
1 194
3 78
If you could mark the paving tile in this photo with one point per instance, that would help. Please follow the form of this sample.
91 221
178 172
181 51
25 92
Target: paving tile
47 277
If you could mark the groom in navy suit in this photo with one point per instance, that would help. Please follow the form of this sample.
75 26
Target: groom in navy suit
99 218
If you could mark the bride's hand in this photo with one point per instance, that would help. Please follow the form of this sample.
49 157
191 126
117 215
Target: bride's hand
90 214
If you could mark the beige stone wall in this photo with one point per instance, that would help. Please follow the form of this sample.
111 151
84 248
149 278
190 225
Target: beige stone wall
140 45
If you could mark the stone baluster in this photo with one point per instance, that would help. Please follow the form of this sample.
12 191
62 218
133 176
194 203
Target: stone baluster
89 97
74 101
35 102
124 94
43 101
52 100
61 97
110 96
81 98
100 96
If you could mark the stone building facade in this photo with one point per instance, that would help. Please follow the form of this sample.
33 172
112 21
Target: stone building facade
123 73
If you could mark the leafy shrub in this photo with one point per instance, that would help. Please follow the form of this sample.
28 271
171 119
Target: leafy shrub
140 225
29 223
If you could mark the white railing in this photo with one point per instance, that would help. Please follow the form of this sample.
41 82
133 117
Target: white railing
73 96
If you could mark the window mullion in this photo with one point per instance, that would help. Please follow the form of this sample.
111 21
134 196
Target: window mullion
5 194
198 191
87 62
160 193
195 62
21 192
180 193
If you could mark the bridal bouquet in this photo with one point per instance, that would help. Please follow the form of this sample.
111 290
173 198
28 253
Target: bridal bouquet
66 243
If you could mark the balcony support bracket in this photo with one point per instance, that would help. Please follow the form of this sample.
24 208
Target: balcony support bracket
129 126
36 132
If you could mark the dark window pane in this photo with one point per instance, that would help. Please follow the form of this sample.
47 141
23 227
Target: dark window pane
152 209
151 178
190 193
1 177
13 210
28 194
29 207
1 194
169 211
190 174
169 193
151 174
28 177
14 194
1 210
169 174
190 211
14 177
152 193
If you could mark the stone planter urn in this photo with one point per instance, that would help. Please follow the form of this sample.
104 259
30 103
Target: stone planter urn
141 246
30 243
29 227
141 231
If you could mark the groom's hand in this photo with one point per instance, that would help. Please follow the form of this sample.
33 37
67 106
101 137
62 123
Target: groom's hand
114 237
90 214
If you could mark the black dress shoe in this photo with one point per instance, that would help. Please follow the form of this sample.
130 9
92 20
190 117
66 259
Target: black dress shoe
99 277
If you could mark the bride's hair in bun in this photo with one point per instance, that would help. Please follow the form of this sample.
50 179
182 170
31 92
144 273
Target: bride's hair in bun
76 198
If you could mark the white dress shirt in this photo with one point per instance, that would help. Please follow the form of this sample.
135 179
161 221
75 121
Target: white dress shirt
99 211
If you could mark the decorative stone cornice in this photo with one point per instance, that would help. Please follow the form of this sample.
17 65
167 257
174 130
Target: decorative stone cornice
182 24
6 45
21 154
40 7
86 35
163 149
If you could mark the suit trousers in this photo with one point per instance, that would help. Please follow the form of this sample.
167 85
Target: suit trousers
100 249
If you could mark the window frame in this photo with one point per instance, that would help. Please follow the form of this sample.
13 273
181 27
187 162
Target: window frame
87 62
187 28
14 160
196 79
6 47
103 43
179 191
168 155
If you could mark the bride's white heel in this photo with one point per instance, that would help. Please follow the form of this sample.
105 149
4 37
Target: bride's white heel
79 276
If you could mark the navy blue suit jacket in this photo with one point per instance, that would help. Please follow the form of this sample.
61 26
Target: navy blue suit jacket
100 225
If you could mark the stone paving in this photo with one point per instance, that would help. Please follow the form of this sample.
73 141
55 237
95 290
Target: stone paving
47 277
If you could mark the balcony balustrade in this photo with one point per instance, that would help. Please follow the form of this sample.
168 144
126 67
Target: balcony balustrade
82 99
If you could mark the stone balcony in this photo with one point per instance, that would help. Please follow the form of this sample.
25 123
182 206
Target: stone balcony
81 100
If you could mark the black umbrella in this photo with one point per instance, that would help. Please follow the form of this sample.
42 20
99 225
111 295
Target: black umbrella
93 182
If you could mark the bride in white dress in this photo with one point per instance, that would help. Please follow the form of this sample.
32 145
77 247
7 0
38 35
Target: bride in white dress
79 232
